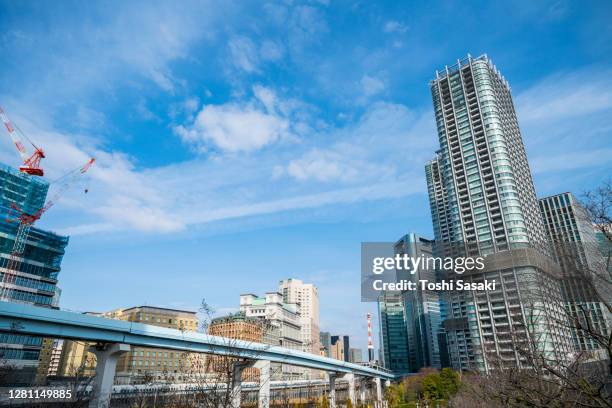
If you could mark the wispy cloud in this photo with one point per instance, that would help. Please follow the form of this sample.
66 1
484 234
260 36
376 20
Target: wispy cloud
393 26
244 53
571 161
371 85
566 95
566 121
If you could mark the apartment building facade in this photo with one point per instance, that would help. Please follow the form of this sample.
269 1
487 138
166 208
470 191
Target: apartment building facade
483 203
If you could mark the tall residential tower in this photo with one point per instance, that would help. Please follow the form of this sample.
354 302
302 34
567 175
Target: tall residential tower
483 203
306 296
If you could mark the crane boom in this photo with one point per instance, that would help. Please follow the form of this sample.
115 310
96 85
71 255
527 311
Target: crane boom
31 164
14 136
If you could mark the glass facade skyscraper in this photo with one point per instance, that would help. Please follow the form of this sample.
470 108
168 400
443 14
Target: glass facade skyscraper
410 320
33 279
483 202
577 250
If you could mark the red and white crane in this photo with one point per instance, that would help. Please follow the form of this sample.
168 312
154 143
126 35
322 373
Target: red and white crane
31 166
31 163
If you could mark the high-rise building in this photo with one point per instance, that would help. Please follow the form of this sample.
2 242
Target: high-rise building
306 296
340 346
325 341
355 355
33 275
393 333
577 250
482 164
421 307
282 327
410 321
483 203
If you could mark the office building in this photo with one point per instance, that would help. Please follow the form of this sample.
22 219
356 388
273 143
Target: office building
151 361
30 277
355 355
483 203
603 235
421 307
325 342
76 360
577 251
235 326
393 333
410 321
340 346
282 327
306 296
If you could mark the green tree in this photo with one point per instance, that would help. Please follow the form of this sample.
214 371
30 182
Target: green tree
432 387
394 395
449 382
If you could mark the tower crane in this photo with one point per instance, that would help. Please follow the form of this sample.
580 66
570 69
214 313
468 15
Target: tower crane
31 166
25 222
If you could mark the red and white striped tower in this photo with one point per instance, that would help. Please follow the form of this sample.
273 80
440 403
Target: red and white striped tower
370 342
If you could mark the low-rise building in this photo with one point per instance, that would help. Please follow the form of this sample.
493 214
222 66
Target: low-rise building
235 326
140 362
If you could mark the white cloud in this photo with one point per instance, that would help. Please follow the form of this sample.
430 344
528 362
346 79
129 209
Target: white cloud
236 127
124 197
371 85
393 26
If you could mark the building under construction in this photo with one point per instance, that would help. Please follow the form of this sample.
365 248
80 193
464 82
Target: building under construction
32 277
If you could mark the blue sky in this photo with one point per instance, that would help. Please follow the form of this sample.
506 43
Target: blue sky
239 143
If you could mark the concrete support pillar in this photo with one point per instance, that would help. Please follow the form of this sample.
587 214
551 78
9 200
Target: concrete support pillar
362 391
236 391
378 393
263 400
106 364
350 379
387 385
332 390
